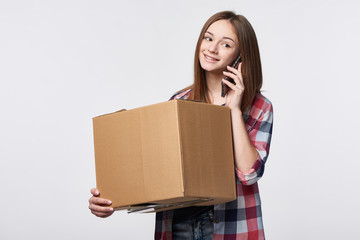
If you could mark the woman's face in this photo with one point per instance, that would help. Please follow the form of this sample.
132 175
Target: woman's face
219 47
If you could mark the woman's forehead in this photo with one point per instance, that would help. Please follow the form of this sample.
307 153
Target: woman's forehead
222 28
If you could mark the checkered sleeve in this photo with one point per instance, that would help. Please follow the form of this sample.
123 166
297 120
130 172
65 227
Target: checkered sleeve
181 95
260 130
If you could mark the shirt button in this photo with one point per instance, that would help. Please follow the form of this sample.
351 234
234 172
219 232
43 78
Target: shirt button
217 220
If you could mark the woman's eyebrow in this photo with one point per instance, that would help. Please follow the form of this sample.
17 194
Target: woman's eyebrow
223 37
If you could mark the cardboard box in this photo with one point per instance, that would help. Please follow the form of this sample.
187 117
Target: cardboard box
164 156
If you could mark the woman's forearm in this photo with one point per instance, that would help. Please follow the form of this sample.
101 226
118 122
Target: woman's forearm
245 153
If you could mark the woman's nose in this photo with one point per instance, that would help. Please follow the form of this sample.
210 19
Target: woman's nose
213 47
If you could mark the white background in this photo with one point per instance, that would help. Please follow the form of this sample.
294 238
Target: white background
64 62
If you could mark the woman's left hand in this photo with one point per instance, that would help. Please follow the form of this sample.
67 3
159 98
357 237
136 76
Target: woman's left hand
235 92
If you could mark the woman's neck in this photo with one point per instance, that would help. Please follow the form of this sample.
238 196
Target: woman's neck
213 82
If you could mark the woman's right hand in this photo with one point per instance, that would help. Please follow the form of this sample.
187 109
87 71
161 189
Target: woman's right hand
99 206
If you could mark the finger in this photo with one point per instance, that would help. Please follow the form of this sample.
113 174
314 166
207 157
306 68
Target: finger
239 79
100 201
95 191
238 82
230 85
101 214
234 70
239 67
99 208
229 74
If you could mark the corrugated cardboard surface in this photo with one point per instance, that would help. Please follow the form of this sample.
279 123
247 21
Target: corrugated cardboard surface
165 153
207 150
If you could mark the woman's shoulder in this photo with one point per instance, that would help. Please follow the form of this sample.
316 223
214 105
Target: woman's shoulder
261 106
259 115
182 94
262 103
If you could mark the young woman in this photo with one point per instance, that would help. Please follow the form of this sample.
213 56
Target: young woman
223 38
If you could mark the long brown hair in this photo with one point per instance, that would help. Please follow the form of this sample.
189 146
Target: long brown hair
251 64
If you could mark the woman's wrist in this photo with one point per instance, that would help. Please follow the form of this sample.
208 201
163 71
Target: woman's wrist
236 111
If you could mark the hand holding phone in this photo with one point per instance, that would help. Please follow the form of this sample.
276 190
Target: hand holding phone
225 88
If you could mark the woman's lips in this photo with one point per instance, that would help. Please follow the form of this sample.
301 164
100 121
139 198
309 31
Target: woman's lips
210 59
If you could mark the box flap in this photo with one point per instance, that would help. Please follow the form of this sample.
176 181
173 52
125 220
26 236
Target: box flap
206 136
127 148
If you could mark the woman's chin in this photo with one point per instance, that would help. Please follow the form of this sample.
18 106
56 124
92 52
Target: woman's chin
211 68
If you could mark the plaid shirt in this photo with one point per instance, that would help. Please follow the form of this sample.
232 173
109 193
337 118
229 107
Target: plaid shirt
242 218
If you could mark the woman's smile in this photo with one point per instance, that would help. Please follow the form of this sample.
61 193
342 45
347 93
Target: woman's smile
210 59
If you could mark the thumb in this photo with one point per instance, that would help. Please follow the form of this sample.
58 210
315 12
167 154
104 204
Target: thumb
95 192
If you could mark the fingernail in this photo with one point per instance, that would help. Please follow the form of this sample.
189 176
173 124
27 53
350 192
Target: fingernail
96 192
109 202
111 209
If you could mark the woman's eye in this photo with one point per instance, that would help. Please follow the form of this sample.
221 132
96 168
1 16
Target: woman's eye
226 45
207 38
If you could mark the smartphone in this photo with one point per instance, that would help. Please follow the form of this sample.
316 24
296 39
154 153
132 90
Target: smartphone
225 88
